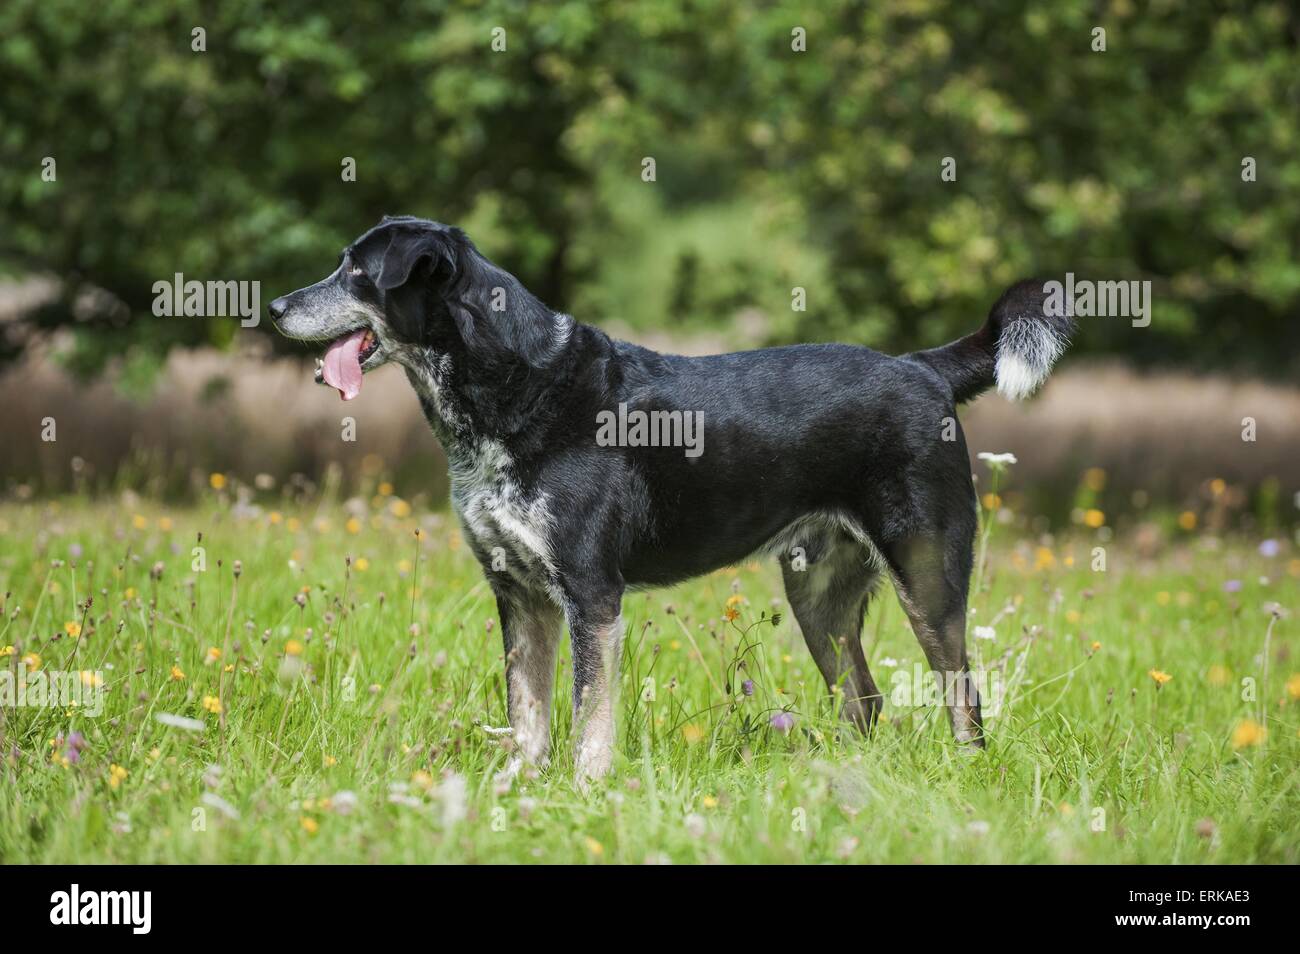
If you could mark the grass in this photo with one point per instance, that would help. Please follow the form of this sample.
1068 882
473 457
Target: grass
353 700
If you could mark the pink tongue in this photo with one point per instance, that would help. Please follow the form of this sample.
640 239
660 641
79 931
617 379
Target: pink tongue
342 368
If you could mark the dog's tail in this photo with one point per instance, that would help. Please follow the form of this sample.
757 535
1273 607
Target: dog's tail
1015 349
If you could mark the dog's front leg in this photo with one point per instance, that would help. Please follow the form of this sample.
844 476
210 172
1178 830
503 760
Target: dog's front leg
596 626
530 628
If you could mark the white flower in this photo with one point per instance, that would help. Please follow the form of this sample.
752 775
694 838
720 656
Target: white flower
888 661
996 460
985 632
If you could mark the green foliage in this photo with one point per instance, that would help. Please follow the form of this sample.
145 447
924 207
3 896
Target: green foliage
775 168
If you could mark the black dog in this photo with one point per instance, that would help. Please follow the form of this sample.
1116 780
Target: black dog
582 466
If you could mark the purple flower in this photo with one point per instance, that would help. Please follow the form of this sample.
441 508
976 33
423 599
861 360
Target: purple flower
1232 586
1269 548
74 744
747 687
74 551
782 721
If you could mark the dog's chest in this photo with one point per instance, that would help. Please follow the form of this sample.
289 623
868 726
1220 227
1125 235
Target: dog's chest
508 526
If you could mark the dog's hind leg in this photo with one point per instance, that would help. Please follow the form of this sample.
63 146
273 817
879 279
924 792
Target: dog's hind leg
932 575
828 581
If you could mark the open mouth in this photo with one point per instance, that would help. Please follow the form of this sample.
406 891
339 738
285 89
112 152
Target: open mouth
344 362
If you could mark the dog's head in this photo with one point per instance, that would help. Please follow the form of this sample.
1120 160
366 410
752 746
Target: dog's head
406 286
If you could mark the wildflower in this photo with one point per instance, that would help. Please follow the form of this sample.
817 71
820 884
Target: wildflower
708 801
275 517
72 628
293 648
309 825
992 501
985 632
216 481
1044 559
385 489
1269 548
1218 675
399 508
214 653
1293 686
330 761
782 721
32 660
735 599
1095 646
1248 732
177 674
996 461
1187 520
422 779
212 704
1232 586
362 564
91 679
1094 518
353 525
139 522
6 651
692 733
116 775
165 524
730 614
594 847
747 687
1206 828
1158 677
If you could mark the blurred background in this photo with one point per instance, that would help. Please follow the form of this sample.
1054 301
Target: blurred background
774 168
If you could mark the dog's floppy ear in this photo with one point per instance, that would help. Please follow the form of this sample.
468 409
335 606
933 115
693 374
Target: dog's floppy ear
406 252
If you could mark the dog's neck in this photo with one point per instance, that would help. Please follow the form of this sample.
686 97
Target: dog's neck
467 401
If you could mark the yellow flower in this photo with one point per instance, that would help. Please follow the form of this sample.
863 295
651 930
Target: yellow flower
362 564
708 801
1095 645
130 593
212 704
309 825
116 775
1293 686
730 614
399 508
386 489
216 481
1218 675
293 648
422 780
735 599
72 628
992 501
139 522
214 653
403 566
330 761
177 674
1163 598
164 524
1044 559
1094 518
1187 520
91 679
353 525
32 661
293 525
6 651
1217 486
1248 732
1160 678
595 847
1072 616
692 733
1066 809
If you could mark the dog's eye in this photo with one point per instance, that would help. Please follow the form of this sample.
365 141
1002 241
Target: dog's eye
356 271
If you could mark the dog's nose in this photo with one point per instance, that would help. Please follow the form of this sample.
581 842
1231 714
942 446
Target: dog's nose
277 308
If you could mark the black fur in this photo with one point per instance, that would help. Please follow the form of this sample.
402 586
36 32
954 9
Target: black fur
835 453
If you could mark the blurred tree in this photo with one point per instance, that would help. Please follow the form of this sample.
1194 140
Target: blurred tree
775 167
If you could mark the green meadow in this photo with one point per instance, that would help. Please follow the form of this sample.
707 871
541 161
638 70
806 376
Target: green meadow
319 682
